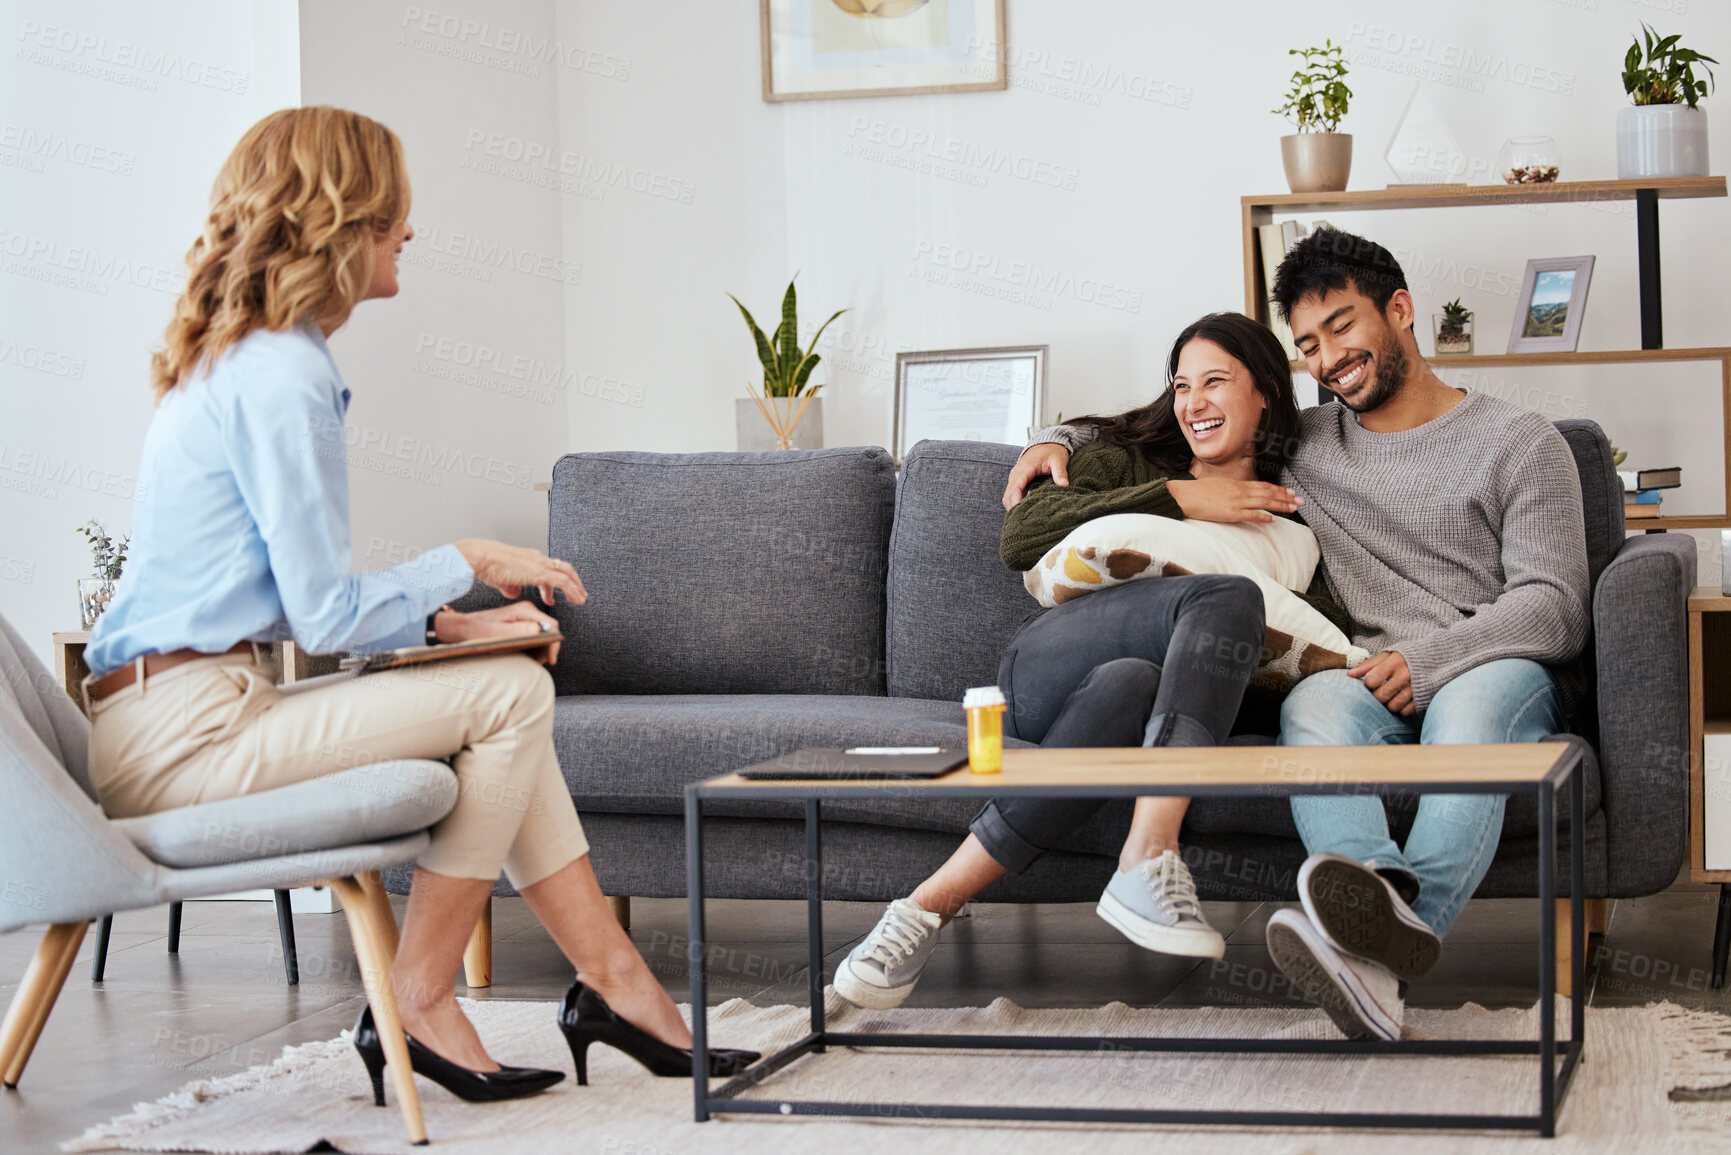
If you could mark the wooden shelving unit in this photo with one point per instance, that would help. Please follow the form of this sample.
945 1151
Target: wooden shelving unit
1446 196
1709 710
1261 210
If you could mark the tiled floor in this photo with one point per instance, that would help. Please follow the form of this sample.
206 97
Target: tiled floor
222 1005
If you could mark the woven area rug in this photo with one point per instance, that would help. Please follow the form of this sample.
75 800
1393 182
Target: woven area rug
316 1096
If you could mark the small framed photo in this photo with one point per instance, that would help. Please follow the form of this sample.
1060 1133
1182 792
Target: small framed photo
969 395
829 49
1553 301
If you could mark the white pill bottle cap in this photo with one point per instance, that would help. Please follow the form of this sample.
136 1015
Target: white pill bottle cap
982 696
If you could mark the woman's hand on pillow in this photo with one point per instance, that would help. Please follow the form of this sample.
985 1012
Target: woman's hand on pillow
519 619
1217 499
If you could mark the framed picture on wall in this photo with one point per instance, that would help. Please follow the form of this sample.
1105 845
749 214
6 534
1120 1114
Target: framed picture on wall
969 395
1552 303
828 49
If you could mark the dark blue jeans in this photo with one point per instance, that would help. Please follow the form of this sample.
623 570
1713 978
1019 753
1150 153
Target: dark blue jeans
1162 661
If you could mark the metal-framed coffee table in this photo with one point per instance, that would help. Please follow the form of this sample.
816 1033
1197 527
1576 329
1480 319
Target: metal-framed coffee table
1539 769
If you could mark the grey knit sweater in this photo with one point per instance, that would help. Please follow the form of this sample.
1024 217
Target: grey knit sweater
1456 543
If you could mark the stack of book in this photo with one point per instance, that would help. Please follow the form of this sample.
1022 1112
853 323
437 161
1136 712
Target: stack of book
1641 489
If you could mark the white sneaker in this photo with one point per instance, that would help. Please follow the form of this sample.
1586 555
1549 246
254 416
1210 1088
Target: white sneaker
1362 997
879 974
1363 915
1153 904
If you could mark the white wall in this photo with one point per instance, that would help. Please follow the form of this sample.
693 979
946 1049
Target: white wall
545 310
114 118
459 402
823 188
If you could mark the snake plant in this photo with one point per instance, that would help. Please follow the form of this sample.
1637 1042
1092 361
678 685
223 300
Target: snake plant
786 368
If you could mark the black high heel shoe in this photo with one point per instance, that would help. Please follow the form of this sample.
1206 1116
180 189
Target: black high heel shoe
585 1017
475 1086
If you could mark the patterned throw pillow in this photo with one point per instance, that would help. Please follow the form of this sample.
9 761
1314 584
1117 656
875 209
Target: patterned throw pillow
1279 556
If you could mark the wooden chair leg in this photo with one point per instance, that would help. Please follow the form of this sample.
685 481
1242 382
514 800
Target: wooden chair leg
374 930
373 883
621 910
36 996
478 955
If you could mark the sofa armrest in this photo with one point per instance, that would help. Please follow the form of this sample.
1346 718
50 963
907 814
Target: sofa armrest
1641 643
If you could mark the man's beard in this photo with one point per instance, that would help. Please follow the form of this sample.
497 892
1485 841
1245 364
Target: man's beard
1390 371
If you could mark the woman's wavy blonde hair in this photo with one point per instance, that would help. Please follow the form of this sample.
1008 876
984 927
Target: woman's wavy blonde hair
294 217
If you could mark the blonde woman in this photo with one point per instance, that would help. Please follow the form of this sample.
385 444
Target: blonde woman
243 536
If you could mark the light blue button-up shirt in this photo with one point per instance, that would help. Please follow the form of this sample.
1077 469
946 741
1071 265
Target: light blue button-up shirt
242 532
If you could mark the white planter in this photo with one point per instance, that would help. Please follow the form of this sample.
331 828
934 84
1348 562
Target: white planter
1661 140
755 435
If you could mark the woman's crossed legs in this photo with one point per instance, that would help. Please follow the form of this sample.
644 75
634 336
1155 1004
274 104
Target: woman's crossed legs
1159 662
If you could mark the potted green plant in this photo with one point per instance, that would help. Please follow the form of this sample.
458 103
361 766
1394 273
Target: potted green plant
1453 329
1663 132
788 400
1317 158
96 591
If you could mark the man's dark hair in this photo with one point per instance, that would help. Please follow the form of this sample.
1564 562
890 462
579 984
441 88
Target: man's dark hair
1329 259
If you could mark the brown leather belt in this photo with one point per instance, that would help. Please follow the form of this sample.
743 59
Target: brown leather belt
116 680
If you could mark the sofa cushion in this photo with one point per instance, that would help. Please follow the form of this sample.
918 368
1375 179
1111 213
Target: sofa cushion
635 754
953 606
728 573
1279 556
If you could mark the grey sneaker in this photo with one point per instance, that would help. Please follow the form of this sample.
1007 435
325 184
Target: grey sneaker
881 971
1154 905
1362 997
1363 915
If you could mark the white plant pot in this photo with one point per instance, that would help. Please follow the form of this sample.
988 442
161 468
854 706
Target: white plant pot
1317 161
1661 140
755 435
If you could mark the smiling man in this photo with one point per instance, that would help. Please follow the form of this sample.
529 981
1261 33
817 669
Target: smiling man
1452 529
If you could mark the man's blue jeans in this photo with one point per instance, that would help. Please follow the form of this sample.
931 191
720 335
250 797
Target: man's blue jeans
1454 836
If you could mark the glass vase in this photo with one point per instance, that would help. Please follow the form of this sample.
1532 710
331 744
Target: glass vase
1528 160
94 594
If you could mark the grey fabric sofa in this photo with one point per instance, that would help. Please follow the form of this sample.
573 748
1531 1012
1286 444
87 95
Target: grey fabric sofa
743 605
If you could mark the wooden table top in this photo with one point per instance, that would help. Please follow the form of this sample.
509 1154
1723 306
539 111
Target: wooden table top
1207 770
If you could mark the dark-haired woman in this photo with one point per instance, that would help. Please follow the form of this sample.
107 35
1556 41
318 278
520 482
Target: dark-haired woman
1157 662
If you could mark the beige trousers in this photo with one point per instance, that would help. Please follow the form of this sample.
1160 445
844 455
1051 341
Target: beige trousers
217 727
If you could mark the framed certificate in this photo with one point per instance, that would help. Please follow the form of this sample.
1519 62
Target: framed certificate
969 395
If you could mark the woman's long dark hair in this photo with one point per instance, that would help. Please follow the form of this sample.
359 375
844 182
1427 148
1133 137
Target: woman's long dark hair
1155 427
